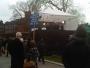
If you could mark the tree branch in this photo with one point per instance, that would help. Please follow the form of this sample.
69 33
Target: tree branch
66 4
18 12
55 5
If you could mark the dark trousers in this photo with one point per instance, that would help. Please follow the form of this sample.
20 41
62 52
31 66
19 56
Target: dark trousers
17 62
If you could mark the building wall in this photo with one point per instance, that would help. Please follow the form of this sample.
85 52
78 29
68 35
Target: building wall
71 24
1 28
9 28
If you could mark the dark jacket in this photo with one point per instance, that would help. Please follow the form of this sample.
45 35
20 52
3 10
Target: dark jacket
1 43
9 43
17 54
31 51
76 54
41 46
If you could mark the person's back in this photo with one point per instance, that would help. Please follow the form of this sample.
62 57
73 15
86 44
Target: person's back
41 46
41 49
76 53
9 43
1 46
31 53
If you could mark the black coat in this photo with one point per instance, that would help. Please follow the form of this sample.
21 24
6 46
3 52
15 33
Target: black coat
41 47
17 54
76 54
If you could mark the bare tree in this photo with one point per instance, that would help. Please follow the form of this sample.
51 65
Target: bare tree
21 8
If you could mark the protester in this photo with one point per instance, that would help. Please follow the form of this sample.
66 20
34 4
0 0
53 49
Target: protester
6 45
31 52
76 53
41 49
17 51
27 50
2 47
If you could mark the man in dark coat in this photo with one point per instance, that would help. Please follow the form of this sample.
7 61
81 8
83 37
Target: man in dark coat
17 52
76 53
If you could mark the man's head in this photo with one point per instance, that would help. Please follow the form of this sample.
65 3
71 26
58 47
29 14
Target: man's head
18 35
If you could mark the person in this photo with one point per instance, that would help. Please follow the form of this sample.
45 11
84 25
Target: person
41 49
6 45
1 47
17 51
76 53
31 52
6 42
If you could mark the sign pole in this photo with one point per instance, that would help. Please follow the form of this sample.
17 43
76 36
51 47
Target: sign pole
34 35
33 24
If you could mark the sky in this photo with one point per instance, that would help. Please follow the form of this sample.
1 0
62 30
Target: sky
6 12
85 6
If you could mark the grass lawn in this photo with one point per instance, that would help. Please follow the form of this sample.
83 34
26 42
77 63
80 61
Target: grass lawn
54 58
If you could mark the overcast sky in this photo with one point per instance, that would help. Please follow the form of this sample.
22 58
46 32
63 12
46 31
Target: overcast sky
5 12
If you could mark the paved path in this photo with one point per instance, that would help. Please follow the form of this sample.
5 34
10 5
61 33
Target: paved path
5 63
49 65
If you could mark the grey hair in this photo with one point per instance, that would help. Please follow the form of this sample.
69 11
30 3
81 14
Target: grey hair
18 34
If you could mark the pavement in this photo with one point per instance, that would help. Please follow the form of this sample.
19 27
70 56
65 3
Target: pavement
5 63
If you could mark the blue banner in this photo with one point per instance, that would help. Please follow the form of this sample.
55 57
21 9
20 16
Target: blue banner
34 20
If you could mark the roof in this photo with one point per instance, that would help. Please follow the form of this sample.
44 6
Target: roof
54 15
54 11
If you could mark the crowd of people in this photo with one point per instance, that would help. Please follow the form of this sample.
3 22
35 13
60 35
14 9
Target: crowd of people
22 55
76 53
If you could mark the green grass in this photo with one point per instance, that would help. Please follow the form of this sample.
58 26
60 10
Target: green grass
54 58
